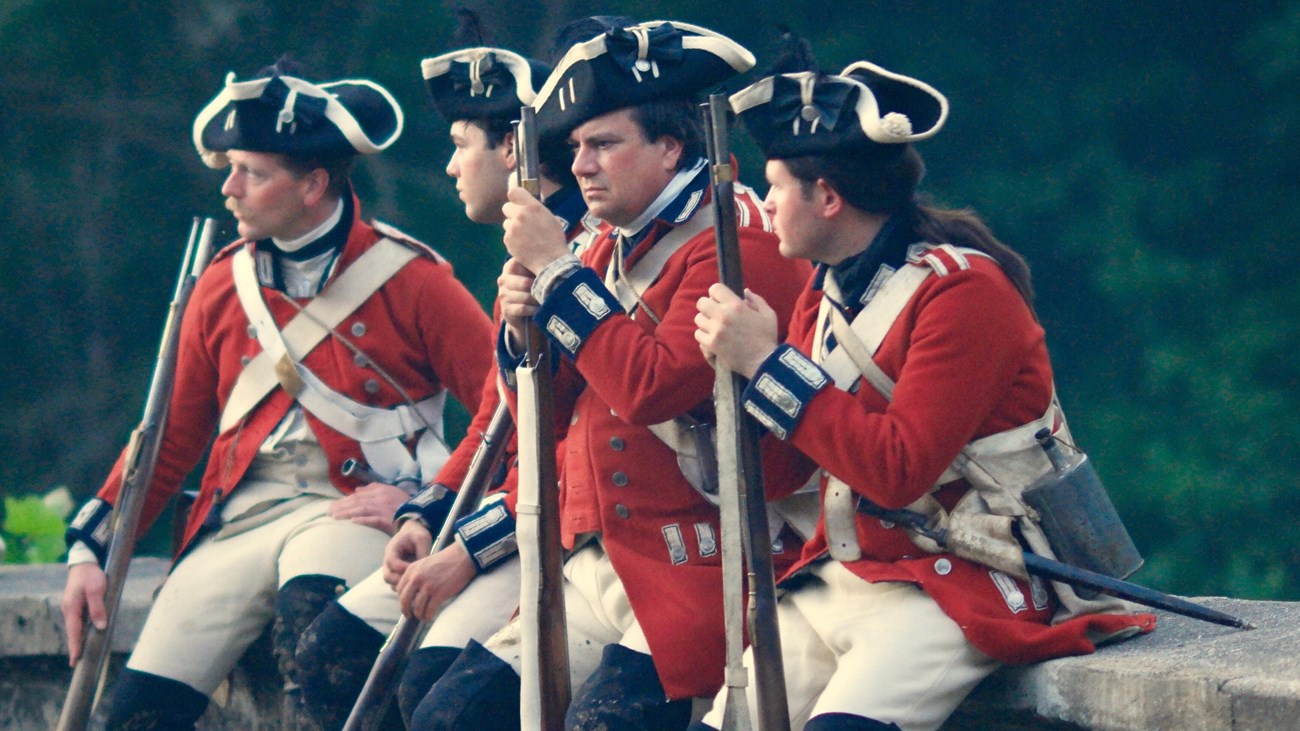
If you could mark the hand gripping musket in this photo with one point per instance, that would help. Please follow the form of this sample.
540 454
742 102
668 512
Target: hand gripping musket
740 488
137 473
375 695
544 651
1047 568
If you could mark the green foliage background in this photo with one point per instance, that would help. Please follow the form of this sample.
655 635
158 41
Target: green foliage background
1143 156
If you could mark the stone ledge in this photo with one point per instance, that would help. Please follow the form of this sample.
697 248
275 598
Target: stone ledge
1187 675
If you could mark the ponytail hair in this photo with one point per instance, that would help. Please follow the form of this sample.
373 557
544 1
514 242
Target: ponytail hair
883 179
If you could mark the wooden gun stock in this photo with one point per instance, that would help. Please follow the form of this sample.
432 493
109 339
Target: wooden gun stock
545 691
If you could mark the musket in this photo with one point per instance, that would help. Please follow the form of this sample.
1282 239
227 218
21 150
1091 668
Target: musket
1074 576
372 702
544 651
138 464
742 501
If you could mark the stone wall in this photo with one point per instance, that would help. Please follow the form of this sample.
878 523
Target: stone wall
1187 676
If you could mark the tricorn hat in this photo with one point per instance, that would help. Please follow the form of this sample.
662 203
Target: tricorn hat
482 83
288 115
808 113
633 65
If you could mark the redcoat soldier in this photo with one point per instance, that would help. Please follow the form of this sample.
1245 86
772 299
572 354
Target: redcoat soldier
914 374
642 585
478 92
315 339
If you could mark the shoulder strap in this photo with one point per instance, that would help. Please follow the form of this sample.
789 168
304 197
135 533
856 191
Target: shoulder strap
635 281
340 298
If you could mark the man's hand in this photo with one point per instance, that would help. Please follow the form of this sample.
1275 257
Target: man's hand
739 333
370 505
432 581
532 233
83 593
514 293
412 543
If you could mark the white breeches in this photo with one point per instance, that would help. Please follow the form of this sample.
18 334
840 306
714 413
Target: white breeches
484 606
221 595
884 651
597 613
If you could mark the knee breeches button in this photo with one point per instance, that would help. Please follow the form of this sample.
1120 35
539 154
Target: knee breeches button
943 567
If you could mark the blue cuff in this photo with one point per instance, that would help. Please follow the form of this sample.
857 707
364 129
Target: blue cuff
91 527
431 505
781 388
575 307
488 535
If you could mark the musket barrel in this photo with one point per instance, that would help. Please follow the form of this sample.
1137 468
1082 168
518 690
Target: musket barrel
1073 575
375 695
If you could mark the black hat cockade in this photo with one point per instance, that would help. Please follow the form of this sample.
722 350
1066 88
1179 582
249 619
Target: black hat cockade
632 65
288 115
809 113
482 83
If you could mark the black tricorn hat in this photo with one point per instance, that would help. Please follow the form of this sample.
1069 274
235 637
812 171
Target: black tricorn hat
288 115
633 65
807 113
482 83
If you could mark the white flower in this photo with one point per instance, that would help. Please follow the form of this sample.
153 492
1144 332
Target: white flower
60 501
896 124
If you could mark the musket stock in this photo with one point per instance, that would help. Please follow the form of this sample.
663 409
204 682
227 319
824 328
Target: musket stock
742 501
375 695
140 459
545 691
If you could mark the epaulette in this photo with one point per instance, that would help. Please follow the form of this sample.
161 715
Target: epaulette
393 233
227 250
942 258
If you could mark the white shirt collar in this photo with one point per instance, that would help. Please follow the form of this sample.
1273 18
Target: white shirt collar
295 244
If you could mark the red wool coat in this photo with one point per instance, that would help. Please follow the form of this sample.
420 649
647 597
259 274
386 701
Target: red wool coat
969 360
423 327
620 480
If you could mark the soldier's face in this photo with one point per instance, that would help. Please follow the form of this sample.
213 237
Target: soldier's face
619 171
482 173
267 198
795 214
